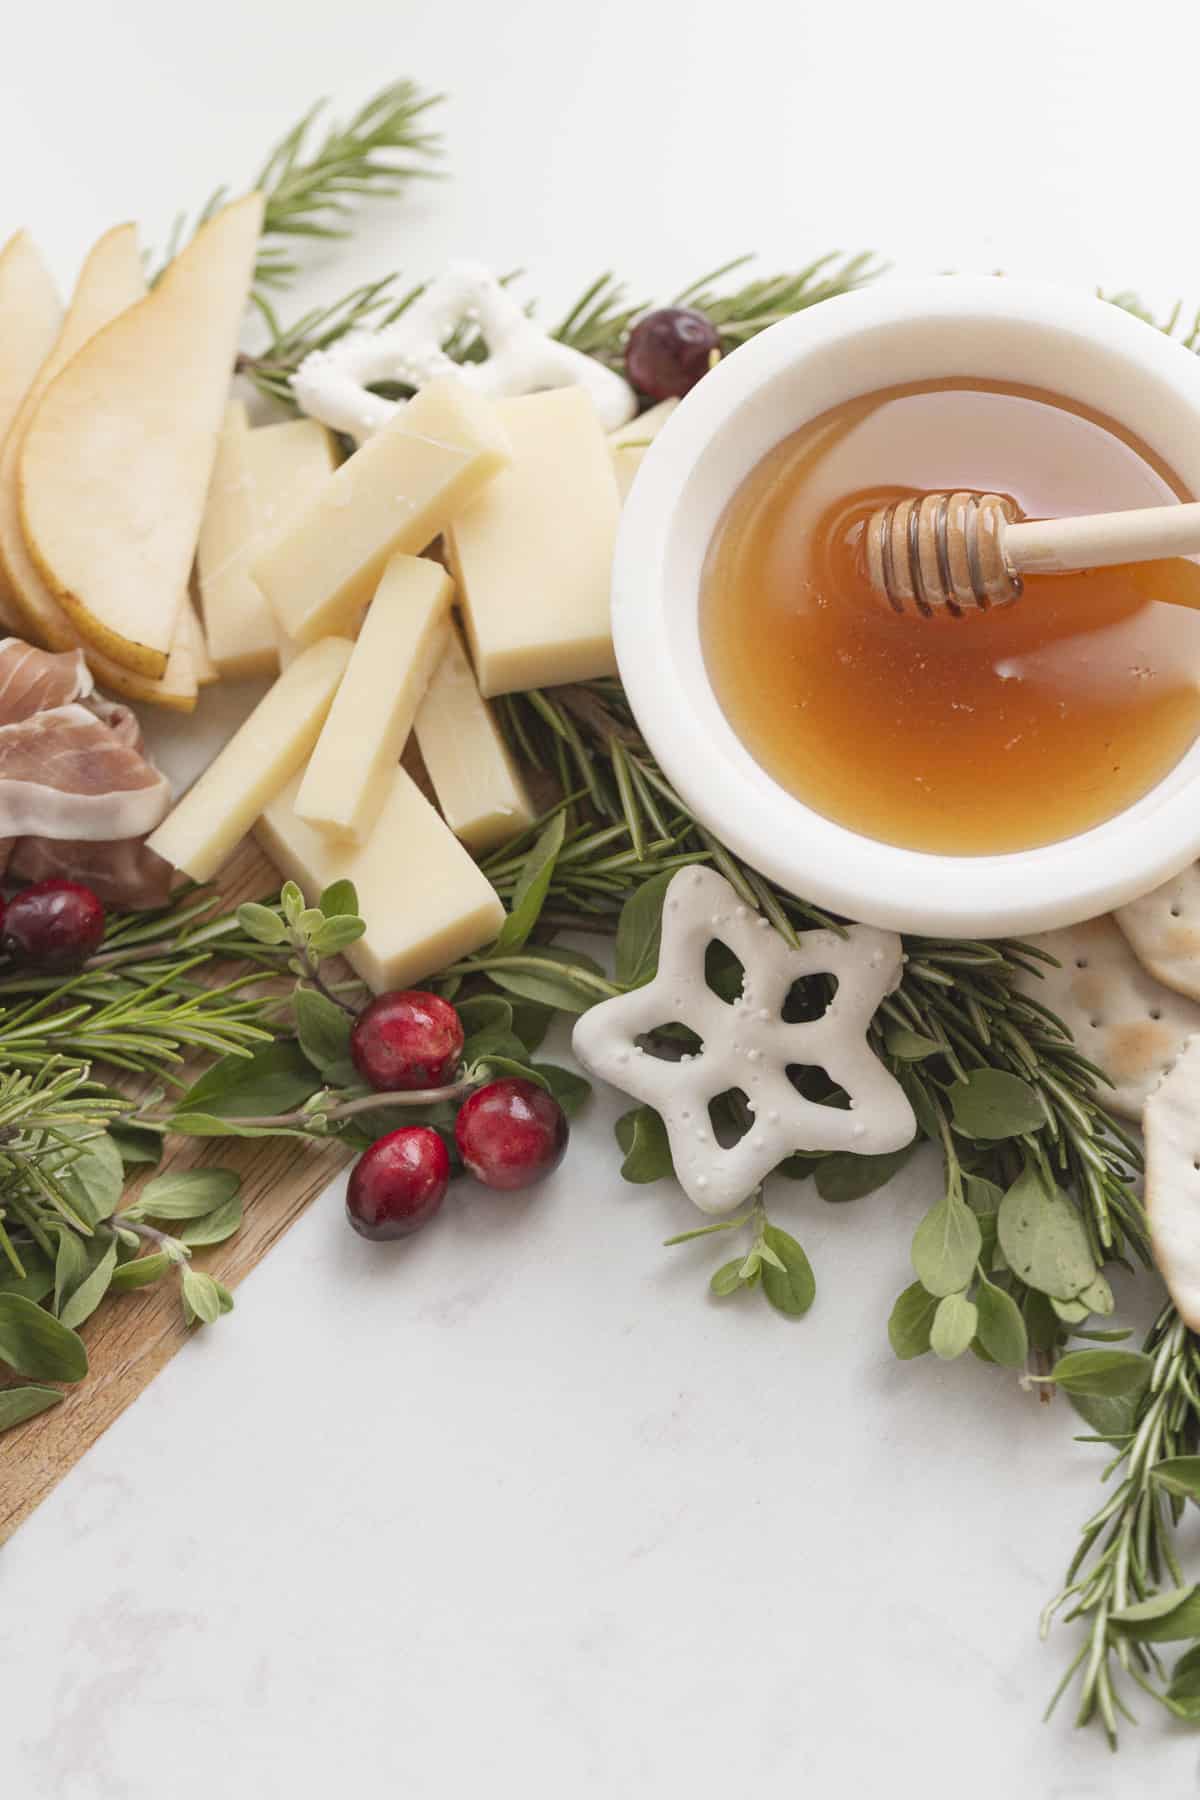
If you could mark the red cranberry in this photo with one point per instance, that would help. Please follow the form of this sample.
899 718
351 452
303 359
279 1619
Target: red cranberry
407 1040
669 350
511 1133
54 925
399 1183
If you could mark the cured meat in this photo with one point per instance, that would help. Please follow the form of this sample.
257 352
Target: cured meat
64 773
124 873
31 680
77 793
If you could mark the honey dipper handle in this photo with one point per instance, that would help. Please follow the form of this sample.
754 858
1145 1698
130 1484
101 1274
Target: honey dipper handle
1051 546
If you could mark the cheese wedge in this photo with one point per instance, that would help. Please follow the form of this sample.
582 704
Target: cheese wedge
483 799
239 624
532 554
260 758
395 494
110 280
115 466
401 642
629 443
30 320
190 633
424 900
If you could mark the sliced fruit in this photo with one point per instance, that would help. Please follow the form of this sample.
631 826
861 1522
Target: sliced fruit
115 467
30 319
110 280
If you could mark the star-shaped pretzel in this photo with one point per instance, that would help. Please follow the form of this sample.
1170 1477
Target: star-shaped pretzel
333 385
747 1045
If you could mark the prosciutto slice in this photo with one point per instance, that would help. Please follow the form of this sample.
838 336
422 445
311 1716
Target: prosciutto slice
77 793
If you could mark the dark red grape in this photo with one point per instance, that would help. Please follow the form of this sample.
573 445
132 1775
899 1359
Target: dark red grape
511 1133
399 1183
54 925
407 1040
669 350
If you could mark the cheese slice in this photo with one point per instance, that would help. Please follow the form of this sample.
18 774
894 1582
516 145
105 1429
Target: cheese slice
630 442
288 465
260 758
240 625
532 554
395 494
424 900
483 799
398 648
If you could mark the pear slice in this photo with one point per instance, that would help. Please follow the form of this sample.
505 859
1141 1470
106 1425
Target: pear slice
30 317
115 467
110 280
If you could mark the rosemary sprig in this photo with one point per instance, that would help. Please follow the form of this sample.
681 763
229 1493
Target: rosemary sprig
1148 1409
312 183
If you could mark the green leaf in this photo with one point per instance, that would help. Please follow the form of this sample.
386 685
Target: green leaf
215 1226
1179 1475
493 1065
639 931
90 1173
20 1403
643 1137
797 1167
549 987
35 1343
1163 1619
1043 1239
292 901
201 1296
953 1326
224 1296
909 1046
484 1013
946 1246
185 1194
1102 1372
38 1279
844 1176
922 1103
208 1125
1098 1297
90 1293
339 900
261 923
568 1088
141 1272
992 1103
336 934
1001 1328
982 1196
728 1278
1185 1676
137 1149
323 1029
911 1322
529 895
1071 1312
70 1265
792 1288
276 1079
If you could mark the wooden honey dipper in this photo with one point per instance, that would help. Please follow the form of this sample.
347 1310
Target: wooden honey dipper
953 552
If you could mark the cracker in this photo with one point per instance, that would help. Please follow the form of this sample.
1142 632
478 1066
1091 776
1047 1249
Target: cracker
1121 1018
1163 929
1171 1123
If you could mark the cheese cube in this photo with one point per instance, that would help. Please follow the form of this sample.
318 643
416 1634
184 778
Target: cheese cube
260 758
424 901
396 493
532 554
398 648
630 442
239 624
482 798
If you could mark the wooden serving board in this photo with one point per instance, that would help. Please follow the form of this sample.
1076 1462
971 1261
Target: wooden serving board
131 1336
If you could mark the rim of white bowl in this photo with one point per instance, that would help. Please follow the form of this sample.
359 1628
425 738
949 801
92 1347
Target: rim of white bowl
695 465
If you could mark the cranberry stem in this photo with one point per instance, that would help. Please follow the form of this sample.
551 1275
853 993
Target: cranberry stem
344 1109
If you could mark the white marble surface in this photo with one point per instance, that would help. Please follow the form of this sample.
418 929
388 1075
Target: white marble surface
515 1509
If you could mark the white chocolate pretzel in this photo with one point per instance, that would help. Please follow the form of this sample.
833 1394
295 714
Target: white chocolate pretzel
333 385
747 1044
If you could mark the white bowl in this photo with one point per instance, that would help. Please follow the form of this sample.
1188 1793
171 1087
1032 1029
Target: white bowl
900 331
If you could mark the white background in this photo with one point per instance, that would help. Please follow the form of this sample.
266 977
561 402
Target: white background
514 1509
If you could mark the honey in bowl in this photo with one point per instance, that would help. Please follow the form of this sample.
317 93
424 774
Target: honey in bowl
997 731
